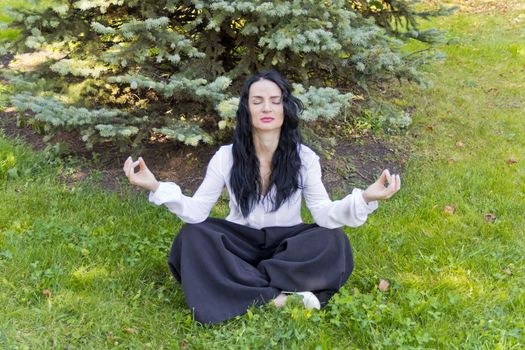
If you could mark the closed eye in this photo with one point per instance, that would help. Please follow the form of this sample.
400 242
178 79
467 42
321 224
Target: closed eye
274 101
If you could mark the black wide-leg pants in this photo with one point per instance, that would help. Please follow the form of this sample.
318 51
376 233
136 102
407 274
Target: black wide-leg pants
225 268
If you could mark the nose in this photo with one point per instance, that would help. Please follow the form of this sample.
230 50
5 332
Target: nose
267 106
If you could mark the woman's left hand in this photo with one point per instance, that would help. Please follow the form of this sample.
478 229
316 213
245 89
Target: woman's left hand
378 190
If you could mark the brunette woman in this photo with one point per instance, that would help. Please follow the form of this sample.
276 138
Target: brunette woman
262 250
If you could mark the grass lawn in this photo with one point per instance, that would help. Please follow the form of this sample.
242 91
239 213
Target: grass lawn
85 268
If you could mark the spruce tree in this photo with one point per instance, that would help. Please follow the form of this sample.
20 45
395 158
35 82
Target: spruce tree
125 70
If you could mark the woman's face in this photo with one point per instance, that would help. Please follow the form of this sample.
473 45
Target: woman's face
266 106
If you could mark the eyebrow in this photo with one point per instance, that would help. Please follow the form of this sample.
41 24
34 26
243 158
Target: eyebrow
270 96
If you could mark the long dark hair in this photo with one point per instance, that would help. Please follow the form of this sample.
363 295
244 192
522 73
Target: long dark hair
245 181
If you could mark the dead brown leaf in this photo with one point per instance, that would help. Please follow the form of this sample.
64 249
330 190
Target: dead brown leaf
511 161
430 127
383 285
131 330
47 293
450 209
460 144
489 217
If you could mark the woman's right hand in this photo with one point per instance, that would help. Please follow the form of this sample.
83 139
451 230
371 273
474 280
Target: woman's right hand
143 178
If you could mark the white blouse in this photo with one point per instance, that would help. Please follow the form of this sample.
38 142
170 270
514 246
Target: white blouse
352 210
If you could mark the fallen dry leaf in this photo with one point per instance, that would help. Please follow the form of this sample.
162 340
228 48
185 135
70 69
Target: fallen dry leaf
460 144
507 271
450 209
430 127
383 285
47 293
451 160
131 330
511 161
489 217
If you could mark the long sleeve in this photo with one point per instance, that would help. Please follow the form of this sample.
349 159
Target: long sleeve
197 208
350 211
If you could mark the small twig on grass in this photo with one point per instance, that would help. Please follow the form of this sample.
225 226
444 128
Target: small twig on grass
363 176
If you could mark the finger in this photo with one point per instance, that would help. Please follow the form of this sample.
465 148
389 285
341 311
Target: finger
142 164
128 165
131 169
389 178
395 185
134 165
383 178
398 183
125 164
391 189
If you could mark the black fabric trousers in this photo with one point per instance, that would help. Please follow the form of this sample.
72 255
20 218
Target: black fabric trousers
225 268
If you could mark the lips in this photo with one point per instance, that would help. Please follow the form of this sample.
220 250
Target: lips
266 119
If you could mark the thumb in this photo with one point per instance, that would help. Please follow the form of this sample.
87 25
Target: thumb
384 176
142 164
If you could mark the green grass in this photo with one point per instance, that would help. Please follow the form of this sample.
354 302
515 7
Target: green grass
457 281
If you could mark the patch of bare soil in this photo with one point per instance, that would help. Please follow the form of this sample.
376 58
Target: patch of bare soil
355 163
359 162
9 124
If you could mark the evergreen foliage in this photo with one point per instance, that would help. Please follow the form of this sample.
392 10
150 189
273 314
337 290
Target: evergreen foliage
174 67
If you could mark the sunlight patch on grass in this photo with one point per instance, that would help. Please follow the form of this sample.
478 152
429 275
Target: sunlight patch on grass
457 279
85 277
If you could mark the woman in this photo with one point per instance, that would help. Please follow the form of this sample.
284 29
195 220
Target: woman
262 250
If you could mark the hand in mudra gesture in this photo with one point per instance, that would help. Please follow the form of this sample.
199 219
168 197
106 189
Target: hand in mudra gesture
143 178
378 190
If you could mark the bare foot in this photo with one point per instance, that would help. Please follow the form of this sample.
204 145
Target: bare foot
280 300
